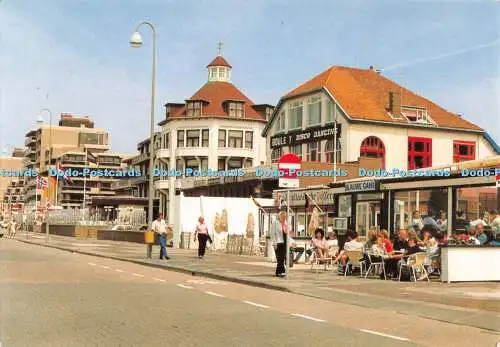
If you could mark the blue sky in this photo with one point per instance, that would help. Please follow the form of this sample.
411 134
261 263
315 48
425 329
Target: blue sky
73 55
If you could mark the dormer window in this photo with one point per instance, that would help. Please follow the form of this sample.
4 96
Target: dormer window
416 115
193 109
213 73
222 73
236 109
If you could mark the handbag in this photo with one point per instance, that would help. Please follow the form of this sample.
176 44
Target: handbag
209 239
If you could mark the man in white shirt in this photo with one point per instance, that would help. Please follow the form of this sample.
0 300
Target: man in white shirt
160 227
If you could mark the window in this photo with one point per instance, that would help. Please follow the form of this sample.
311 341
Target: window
235 139
248 163
280 122
418 115
192 163
373 147
166 140
222 73
419 152
221 163
213 72
204 164
463 151
295 116
314 110
236 109
330 111
179 164
249 139
204 137
180 138
276 154
222 138
313 151
297 150
235 163
194 109
193 138
329 151
90 139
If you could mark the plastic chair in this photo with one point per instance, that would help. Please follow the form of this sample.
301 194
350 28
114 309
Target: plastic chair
355 259
415 262
376 261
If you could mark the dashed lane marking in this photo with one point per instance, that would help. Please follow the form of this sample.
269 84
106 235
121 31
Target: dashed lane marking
385 335
215 294
118 270
138 275
255 304
159 279
308 317
184 286
105 267
92 264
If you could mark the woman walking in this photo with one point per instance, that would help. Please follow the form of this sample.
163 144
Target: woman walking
201 232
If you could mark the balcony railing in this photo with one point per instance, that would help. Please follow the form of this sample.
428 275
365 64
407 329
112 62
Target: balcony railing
29 140
139 159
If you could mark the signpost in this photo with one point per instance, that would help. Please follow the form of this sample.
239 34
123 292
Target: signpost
288 165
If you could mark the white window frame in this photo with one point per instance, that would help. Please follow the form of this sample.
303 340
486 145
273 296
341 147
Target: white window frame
312 102
236 110
291 108
281 123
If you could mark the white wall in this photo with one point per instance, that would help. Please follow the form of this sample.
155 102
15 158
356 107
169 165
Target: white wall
189 209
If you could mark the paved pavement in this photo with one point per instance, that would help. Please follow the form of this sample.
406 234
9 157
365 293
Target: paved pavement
55 298
474 305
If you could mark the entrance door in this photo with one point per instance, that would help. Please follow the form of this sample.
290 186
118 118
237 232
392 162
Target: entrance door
367 217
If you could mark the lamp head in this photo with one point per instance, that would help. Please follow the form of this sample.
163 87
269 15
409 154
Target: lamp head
39 120
136 40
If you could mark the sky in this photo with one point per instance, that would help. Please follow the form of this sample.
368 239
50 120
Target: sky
73 56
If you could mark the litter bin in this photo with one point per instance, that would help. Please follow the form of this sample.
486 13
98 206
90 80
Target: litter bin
149 237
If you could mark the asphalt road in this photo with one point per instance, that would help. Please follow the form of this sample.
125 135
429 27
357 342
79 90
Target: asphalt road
55 298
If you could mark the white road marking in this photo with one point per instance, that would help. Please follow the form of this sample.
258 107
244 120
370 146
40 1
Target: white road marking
118 270
138 275
105 267
184 286
214 294
92 264
158 279
385 335
308 317
255 304
204 282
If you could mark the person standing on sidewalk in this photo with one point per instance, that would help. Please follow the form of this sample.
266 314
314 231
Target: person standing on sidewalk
201 231
278 233
160 227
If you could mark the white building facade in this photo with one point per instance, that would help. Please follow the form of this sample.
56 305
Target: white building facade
217 129
373 117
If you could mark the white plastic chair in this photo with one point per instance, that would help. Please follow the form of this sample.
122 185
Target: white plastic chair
415 262
376 262
355 259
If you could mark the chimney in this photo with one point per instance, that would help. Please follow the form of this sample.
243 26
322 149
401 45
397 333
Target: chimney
395 103
371 67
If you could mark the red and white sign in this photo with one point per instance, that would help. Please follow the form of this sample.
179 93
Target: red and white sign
498 181
288 165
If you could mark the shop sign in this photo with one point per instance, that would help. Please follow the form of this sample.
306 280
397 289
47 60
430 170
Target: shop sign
298 137
370 197
200 183
365 186
322 197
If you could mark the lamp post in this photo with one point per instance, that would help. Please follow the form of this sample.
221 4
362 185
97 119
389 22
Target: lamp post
50 161
136 42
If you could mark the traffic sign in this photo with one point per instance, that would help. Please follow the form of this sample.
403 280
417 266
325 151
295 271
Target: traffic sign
498 181
288 165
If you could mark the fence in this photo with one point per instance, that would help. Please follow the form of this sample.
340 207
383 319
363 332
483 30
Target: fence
232 244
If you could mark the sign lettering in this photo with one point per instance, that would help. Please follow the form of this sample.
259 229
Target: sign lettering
295 138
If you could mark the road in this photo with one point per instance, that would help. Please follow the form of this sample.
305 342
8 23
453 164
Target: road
56 298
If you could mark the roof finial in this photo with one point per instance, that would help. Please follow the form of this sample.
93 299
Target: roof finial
219 47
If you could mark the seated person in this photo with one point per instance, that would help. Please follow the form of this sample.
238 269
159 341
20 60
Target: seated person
371 239
352 245
294 250
387 243
378 249
402 240
320 245
428 240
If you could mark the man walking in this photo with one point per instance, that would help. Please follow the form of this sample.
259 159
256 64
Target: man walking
160 227
278 233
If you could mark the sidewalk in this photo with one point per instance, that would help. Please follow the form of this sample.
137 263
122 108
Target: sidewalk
470 304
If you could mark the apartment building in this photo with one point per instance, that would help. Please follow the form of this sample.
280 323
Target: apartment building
47 143
11 181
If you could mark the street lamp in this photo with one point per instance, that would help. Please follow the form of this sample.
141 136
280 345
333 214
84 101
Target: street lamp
136 42
50 161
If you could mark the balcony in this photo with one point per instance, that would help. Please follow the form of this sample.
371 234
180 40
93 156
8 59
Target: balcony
163 153
27 161
139 159
29 140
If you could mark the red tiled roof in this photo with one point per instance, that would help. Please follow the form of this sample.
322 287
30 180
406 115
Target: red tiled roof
214 94
219 61
364 94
